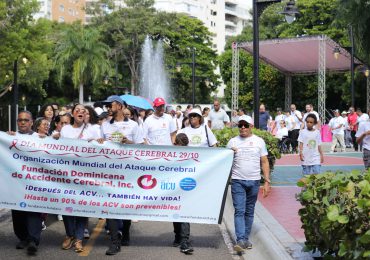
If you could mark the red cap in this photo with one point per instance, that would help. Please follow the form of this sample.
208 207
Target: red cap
158 102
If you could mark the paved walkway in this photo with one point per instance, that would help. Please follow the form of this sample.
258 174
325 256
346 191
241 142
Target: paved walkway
282 205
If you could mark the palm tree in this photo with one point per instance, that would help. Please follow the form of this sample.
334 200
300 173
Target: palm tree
80 49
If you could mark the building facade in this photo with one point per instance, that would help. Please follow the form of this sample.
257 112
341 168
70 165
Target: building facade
62 10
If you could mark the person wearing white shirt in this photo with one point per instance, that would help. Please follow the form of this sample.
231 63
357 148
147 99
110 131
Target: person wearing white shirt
282 131
347 131
199 134
309 110
336 125
361 117
250 157
119 129
78 129
293 134
178 119
26 225
363 138
159 128
217 118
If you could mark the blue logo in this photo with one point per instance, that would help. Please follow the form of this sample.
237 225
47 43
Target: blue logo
188 184
23 204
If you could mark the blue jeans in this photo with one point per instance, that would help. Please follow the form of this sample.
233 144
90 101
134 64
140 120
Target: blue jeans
311 169
75 226
244 195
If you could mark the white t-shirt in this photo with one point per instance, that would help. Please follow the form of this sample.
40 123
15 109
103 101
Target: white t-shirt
83 132
247 159
289 122
117 130
95 128
197 136
334 123
311 141
158 130
364 127
178 121
218 118
32 134
278 119
280 133
363 118
296 116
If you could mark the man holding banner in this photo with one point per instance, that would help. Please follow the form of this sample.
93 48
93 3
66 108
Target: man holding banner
27 225
250 154
122 130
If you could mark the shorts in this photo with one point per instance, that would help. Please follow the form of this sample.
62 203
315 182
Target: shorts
366 158
311 169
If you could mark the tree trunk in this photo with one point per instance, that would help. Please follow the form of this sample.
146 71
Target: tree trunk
81 93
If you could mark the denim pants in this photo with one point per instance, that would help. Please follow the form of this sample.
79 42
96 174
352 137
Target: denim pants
244 194
311 169
75 226
27 225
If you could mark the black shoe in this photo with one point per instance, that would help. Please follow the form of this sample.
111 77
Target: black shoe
186 248
22 244
125 240
176 242
32 248
113 249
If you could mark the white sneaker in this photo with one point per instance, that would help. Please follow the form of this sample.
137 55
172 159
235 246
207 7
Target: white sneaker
86 233
60 217
43 226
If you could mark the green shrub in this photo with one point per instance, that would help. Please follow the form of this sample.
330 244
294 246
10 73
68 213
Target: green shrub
223 136
335 214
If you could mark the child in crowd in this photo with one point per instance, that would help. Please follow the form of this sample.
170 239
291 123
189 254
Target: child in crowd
310 151
182 229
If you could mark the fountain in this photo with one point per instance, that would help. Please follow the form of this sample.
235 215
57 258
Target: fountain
153 77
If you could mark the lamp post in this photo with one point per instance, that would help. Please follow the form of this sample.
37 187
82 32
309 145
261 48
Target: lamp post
15 94
352 66
290 12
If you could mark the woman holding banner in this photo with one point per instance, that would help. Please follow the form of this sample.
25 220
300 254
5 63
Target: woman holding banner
76 130
198 135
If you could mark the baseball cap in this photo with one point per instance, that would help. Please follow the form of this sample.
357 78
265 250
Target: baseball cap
158 102
195 111
114 98
245 118
344 113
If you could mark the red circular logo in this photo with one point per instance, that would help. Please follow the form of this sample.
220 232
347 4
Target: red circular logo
146 182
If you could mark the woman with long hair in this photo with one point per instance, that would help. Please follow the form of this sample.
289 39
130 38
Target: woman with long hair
78 129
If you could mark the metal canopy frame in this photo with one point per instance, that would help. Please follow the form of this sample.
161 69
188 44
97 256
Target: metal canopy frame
306 55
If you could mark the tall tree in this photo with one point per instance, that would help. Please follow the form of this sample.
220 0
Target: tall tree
23 38
357 13
125 31
82 50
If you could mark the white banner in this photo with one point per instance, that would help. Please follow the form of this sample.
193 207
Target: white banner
139 182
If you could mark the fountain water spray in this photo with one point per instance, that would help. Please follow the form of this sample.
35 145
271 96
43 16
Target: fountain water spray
153 76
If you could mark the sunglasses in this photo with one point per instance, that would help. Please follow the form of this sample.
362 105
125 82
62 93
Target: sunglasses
246 125
23 120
